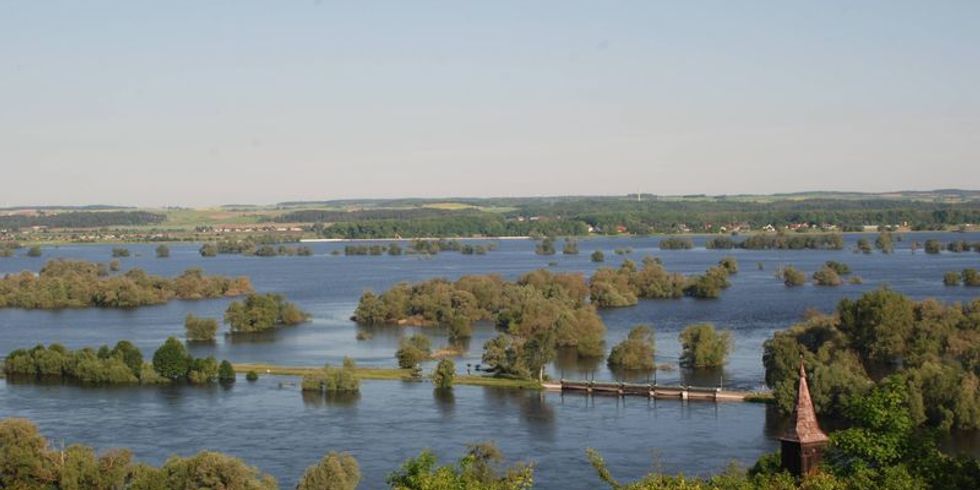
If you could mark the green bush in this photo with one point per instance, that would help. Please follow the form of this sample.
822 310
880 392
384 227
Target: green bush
171 359
413 350
226 373
793 277
333 380
444 374
336 471
200 329
262 312
703 346
826 276
252 376
635 352
951 278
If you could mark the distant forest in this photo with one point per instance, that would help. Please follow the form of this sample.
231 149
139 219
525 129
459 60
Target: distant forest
82 219
566 216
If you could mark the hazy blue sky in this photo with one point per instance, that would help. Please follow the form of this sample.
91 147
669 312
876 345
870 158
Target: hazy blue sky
209 102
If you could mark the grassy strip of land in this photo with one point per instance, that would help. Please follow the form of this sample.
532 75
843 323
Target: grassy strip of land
373 373
760 397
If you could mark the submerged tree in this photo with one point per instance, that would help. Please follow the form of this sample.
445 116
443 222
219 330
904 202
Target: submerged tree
703 346
444 374
635 352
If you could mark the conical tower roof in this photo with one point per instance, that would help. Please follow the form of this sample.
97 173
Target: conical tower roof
804 428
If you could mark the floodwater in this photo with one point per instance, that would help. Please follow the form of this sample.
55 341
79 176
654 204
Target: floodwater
275 427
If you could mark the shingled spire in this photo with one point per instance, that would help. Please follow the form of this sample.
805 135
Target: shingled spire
803 441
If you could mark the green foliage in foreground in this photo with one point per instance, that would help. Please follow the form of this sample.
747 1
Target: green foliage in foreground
78 283
635 352
28 462
336 471
880 449
704 346
934 345
333 380
479 469
262 312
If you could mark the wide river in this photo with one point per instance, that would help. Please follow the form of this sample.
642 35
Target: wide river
273 426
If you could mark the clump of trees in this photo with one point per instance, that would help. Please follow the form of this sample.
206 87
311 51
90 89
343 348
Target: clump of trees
636 352
598 256
76 284
120 252
792 276
122 364
262 312
863 246
260 246
444 374
969 277
27 461
729 264
226 372
570 247
34 251
708 285
333 380
172 361
413 350
539 304
826 241
200 329
840 268
704 346
480 468
720 243
935 347
951 278
163 251
336 471
932 246
611 288
676 243
885 243
545 247
827 276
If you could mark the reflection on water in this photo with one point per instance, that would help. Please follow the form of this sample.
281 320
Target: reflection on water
320 399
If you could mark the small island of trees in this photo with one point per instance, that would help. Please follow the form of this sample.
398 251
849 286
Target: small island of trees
263 312
704 347
78 284
122 364
636 352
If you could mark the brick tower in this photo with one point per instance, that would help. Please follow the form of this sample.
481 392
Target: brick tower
803 442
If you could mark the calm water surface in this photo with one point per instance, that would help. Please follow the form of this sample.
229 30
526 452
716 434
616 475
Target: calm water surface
281 432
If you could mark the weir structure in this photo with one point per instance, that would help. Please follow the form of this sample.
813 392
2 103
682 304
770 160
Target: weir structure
647 390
